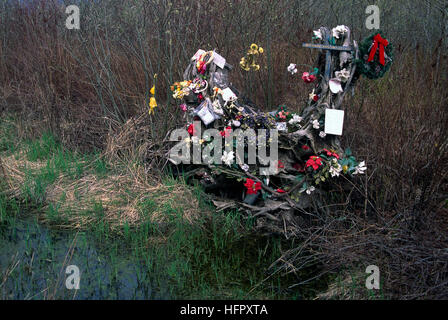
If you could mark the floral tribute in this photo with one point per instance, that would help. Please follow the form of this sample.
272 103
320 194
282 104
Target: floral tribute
308 155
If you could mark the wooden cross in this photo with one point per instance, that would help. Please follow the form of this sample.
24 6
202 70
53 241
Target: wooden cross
326 46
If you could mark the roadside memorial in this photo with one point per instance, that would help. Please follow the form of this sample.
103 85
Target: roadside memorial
309 152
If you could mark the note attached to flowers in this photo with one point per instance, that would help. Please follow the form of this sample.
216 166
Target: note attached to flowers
334 121
228 95
219 60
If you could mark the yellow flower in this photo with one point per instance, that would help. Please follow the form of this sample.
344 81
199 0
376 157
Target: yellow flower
152 105
153 90
253 46
345 168
260 50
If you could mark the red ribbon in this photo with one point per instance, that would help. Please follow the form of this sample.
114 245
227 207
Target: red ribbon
382 43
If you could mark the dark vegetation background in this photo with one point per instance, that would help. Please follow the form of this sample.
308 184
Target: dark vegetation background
86 85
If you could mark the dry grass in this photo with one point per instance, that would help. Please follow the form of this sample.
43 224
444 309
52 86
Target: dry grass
122 196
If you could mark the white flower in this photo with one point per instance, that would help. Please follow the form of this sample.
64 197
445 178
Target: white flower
295 119
236 123
317 34
343 75
310 189
245 167
335 168
292 68
322 134
360 168
335 85
316 124
312 95
228 157
339 30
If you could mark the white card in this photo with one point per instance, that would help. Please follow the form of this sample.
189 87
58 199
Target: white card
219 60
281 126
228 95
334 121
198 54
205 115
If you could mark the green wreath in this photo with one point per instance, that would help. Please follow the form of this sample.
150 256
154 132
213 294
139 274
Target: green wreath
374 69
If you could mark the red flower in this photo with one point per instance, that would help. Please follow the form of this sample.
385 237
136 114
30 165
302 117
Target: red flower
191 130
200 97
281 191
308 78
314 162
331 154
280 165
226 132
316 97
252 187
305 147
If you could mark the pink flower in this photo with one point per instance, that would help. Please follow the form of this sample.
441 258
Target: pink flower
183 107
308 78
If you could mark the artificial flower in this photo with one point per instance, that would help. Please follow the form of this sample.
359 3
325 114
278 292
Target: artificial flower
183 107
339 30
295 119
310 189
280 191
191 129
317 34
292 68
316 124
308 78
245 167
152 104
360 168
313 96
343 75
228 157
252 186
305 147
331 153
280 165
335 168
322 134
226 132
315 162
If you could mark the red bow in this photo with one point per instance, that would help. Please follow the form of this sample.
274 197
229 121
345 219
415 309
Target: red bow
378 41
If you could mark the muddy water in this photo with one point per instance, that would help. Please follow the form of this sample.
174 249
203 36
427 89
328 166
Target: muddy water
34 260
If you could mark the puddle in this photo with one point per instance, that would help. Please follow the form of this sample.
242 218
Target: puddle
34 258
